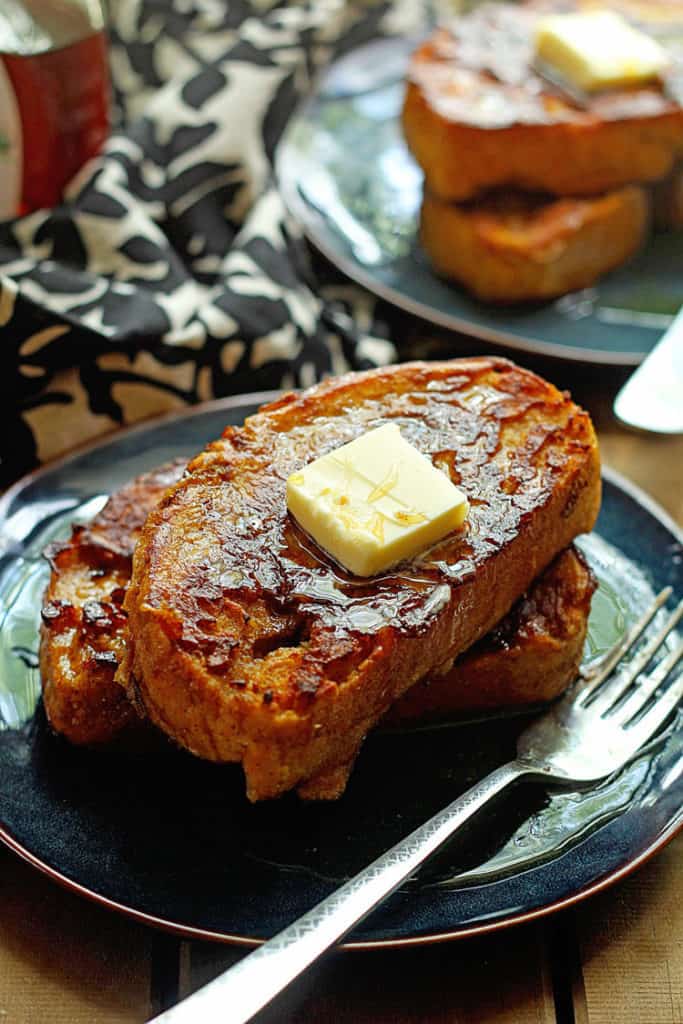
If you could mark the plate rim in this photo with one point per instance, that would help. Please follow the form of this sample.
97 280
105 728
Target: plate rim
673 827
308 219
228 939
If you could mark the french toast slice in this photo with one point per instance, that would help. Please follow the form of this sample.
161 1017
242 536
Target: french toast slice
476 116
248 643
82 635
530 656
516 247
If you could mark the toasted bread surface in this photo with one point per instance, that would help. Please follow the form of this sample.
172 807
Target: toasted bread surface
82 635
247 643
516 247
477 116
530 657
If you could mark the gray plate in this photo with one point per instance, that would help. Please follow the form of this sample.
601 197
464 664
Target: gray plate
347 176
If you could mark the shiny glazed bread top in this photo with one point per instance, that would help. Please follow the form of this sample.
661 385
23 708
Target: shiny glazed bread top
479 70
247 642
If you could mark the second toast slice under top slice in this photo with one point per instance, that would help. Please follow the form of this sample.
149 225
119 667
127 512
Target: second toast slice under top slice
247 643
515 247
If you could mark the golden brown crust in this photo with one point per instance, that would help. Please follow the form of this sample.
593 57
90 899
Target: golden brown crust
514 247
248 644
476 116
82 635
532 655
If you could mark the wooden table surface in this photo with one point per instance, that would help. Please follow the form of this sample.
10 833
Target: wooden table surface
614 959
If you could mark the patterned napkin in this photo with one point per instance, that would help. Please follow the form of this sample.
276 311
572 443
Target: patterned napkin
171 273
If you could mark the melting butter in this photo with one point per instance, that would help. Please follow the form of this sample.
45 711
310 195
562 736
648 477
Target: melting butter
598 49
375 501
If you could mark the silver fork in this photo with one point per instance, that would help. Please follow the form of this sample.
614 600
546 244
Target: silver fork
588 735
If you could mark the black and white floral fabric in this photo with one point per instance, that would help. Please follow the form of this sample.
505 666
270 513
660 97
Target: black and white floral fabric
171 273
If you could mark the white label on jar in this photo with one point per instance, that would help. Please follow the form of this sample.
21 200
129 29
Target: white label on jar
11 149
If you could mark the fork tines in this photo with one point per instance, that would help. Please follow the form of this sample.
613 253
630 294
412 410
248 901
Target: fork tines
625 693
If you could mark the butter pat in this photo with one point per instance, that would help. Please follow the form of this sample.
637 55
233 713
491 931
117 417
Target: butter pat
375 501
598 50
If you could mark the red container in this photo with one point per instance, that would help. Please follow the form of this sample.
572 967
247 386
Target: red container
54 97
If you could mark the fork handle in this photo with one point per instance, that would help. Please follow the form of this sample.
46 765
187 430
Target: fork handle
241 991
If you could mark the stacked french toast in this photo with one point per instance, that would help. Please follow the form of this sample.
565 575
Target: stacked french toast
196 605
536 186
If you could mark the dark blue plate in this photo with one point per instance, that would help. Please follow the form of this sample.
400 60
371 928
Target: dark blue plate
172 840
349 179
